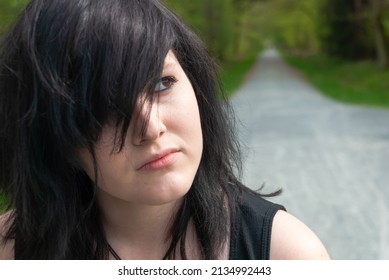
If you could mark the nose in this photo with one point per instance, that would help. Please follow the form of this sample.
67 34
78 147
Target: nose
148 124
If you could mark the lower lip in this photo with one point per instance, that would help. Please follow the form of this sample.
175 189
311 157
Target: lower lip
162 162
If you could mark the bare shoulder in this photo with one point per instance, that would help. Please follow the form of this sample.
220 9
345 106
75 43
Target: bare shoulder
6 248
292 239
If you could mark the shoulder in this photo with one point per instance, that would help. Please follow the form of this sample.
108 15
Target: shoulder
6 247
292 239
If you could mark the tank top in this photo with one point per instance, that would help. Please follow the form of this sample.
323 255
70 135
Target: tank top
251 228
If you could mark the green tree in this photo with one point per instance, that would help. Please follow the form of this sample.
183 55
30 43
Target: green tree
211 19
348 34
9 10
357 29
290 24
379 8
246 27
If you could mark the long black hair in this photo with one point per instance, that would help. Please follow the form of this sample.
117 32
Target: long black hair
66 68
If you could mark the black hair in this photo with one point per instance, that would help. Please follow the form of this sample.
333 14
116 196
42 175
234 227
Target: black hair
66 68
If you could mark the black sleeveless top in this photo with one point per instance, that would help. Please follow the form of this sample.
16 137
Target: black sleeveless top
251 228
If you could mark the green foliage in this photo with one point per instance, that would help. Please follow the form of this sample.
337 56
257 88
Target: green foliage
297 25
247 24
3 201
234 73
352 82
289 24
211 20
385 22
348 34
9 10
228 27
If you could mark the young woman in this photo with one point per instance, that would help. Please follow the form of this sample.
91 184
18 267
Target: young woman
115 144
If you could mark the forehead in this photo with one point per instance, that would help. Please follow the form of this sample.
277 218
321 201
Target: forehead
170 59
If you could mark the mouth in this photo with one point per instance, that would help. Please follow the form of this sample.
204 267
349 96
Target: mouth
160 161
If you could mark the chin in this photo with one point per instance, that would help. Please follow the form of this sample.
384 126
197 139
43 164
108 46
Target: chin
167 193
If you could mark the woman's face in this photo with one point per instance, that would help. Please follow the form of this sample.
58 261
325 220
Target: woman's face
158 166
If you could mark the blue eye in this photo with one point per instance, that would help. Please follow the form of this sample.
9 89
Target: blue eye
165 83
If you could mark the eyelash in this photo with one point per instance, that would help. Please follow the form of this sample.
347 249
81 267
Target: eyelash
170 79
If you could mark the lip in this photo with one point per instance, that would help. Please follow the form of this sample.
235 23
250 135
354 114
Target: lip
160 160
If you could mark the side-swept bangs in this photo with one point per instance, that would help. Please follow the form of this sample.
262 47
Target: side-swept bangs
88 61
117 54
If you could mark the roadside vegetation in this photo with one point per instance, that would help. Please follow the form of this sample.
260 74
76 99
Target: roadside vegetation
9 10
356 82
234 74
3 202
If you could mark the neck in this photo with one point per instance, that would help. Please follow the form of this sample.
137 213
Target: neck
137 231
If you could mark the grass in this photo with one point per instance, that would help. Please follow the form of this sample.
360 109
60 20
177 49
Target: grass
3 201
350 82
234 73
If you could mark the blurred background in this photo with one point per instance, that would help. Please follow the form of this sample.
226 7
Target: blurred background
338 35
339 47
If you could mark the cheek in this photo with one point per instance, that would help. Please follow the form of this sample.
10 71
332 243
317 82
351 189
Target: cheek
108 163
191 125
189 117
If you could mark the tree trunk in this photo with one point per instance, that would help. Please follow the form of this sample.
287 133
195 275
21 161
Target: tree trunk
379 33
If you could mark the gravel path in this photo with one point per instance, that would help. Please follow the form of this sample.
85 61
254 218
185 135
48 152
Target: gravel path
330 159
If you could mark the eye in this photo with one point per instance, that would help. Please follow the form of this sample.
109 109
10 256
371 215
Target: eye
165 83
